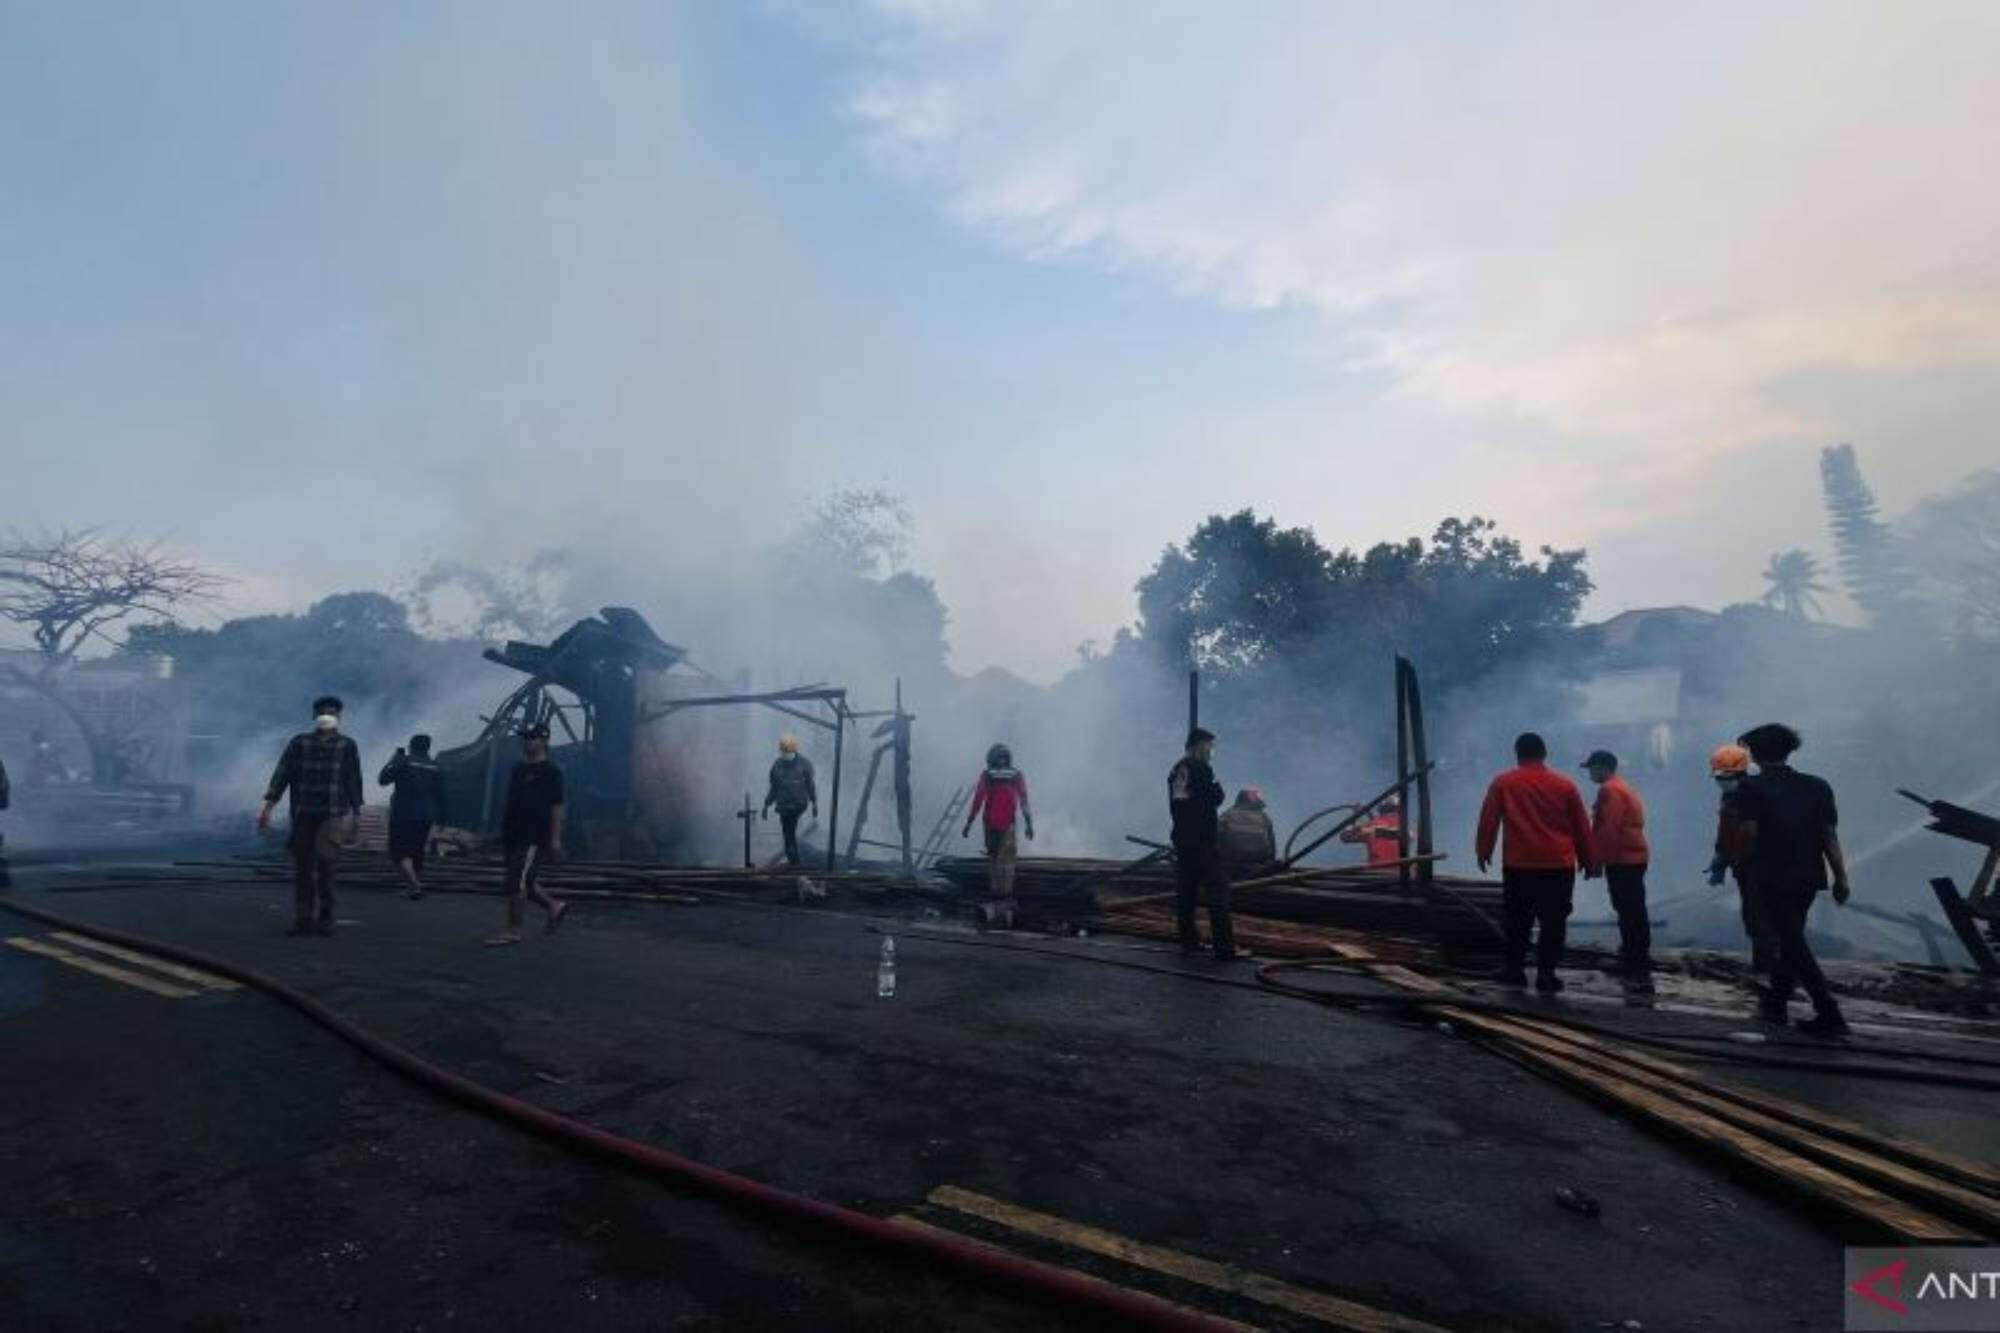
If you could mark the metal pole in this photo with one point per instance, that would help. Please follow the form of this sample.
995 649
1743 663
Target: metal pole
833 814
902 775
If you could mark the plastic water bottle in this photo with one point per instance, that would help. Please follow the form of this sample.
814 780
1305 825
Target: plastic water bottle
885 972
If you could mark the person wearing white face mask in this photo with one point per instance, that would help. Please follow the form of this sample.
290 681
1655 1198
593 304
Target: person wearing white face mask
322 770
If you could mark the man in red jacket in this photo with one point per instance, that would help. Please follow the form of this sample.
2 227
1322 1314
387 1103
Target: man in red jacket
1618 835
1548 837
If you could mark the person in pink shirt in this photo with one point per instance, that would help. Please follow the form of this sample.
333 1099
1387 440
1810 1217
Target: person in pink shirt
1001 795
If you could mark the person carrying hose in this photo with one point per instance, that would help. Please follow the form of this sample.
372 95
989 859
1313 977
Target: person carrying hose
792 790
531 832
1729 765
1001 796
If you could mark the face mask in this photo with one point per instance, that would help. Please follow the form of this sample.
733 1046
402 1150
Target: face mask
326 721
1727 784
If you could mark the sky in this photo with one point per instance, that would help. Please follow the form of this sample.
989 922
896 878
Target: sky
318 293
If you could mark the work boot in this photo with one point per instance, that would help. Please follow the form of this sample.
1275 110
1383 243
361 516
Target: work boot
323 928
300 928
1191 948
1548 983
1826 1023
1772 1011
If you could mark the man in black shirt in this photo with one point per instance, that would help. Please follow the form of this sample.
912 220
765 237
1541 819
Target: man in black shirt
1194 799
531 831
416 806
1789 821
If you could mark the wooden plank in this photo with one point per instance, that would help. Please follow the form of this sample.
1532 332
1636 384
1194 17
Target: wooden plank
1329 1310
1964 1170
1217 1321
1966 1205
1908 1223
1966 924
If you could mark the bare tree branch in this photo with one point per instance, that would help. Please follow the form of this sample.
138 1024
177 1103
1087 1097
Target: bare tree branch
68 587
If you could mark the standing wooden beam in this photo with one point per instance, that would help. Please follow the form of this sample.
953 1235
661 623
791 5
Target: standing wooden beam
1420 754
1194 701
902 776
1402 766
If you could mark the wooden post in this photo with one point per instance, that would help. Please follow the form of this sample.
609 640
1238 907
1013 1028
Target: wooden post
746 814
1402 767
1420 754
1194 701
833 813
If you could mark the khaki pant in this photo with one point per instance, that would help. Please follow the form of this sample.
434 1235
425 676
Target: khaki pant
1000 851
315 848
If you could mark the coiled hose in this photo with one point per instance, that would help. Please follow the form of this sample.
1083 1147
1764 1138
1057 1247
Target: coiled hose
1045 1282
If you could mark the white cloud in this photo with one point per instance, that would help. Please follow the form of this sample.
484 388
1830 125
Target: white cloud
1623 223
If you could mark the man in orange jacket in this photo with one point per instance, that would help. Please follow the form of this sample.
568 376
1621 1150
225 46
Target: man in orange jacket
1618 836
1548 837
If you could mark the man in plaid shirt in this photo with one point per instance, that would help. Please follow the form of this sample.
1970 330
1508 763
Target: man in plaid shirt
322 769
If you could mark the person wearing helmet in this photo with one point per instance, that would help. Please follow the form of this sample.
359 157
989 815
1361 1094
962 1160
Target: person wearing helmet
1193 799
793 791
531 832
1789 824
1728 766
1383 832
1001 795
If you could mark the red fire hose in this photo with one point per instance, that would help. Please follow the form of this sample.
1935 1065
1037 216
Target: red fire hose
1045 1282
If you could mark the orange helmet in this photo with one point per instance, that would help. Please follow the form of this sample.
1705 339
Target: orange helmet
1729 759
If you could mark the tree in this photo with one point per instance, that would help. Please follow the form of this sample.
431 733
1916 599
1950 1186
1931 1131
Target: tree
1240 591
858 532
69 588
1956 537
1872 563
1794 588
1242 594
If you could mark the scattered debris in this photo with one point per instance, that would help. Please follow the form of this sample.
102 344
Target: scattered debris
1581 1202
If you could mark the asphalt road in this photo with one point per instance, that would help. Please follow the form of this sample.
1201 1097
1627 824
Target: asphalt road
216 1162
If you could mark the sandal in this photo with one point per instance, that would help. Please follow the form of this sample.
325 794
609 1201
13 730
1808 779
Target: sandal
556 917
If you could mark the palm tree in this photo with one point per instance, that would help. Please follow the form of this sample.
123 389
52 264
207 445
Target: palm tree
1794 579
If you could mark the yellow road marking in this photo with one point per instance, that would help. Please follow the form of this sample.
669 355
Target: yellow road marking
917 1224
106 970
206 980
1330 1310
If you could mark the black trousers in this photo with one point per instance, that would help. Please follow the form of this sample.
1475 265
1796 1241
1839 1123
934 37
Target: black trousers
788 820
1757 924
1796 966
1195 870
1531 898
315 848
1628 899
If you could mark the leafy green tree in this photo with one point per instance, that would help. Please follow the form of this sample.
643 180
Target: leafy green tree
1956 539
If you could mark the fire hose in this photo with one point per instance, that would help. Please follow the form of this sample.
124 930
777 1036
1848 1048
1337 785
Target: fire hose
1045 1282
